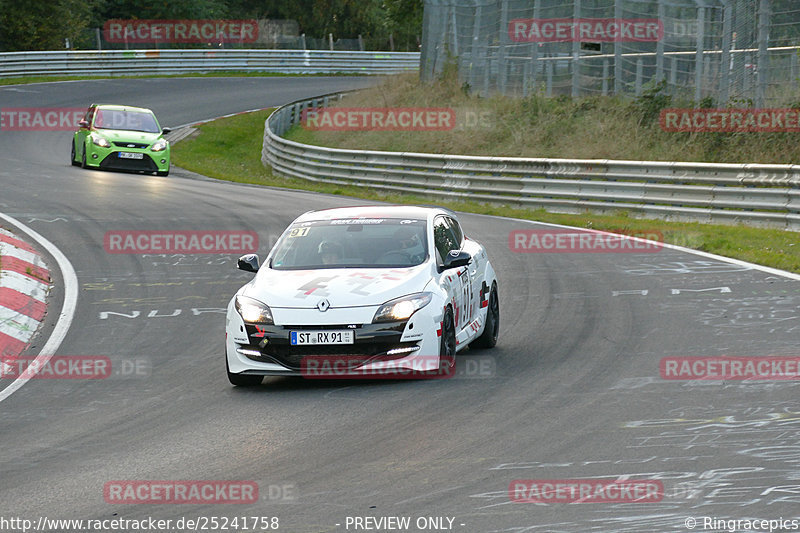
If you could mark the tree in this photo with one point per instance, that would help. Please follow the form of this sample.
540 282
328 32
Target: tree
43 24
404 21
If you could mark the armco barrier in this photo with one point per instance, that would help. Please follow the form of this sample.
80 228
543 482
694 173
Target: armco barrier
766 195
119 62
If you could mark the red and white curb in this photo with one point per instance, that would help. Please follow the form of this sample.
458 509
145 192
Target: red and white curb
24 283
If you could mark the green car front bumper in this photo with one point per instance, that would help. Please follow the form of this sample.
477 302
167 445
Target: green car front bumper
125 157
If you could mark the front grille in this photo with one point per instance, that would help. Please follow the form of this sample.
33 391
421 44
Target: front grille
113 161
371 341
131 145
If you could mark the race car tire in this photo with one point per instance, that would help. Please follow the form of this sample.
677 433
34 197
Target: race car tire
489 336
447 344
72 155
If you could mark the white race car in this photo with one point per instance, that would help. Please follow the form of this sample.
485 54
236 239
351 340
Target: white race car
362 291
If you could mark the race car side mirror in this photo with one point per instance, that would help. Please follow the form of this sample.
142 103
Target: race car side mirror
166 130
83 124
456 258
248 263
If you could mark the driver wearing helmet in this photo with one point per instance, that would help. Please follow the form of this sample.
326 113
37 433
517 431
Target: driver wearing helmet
330 252
408 241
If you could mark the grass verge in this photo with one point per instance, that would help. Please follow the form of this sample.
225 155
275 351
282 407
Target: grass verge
230 149
592 127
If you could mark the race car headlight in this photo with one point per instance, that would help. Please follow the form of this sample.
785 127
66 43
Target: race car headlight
159 146
252 311
402 308
100 141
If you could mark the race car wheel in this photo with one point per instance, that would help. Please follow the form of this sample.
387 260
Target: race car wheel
72 155
489 336
447 346
242 380
83 159
163 172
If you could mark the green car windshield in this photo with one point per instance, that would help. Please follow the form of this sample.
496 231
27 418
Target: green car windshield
114 119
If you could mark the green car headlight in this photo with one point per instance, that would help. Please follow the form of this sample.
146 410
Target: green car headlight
159 146
100 141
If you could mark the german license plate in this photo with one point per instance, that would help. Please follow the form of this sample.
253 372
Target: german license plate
131 155
300 338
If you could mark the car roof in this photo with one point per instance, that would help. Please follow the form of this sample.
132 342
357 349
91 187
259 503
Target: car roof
376 211
115 107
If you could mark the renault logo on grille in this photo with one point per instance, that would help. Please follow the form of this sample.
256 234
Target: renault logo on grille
323 305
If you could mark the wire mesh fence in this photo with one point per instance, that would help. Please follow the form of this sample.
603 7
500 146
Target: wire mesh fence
740 51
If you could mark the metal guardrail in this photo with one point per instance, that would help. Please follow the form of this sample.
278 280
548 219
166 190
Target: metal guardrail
119 62
754 194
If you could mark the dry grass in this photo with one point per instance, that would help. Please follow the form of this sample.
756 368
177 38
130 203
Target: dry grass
586 128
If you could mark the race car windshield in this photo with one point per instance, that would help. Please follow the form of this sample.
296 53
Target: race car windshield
114 119
352 243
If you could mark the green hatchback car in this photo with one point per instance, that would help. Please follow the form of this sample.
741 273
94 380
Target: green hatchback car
115 137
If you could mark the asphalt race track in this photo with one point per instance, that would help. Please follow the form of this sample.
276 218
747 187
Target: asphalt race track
573 389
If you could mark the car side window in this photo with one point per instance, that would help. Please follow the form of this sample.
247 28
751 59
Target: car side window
459 235
443 237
